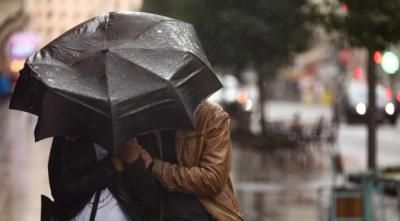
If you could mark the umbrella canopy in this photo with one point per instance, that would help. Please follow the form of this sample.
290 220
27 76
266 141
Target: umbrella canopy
116 76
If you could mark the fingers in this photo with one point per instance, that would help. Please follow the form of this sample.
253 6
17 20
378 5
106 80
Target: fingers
147 158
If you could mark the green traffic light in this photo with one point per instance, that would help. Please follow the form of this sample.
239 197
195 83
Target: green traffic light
390 62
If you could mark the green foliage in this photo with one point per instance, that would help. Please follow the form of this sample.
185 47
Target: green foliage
235 33
366 23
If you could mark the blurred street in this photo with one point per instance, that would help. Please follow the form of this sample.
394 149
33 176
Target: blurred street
351 138
283 196
291 194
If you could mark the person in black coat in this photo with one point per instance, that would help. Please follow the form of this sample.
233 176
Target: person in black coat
77 175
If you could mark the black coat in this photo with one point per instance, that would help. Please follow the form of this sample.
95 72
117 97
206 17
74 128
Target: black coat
75 175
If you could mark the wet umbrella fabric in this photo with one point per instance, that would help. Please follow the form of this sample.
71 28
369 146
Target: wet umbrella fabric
116 76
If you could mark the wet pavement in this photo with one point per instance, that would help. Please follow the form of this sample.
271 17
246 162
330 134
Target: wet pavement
268 187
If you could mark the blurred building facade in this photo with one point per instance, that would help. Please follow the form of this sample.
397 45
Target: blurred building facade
27 25
50 18
12 19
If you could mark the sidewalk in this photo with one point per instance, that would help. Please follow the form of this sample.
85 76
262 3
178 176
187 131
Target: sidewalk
288 193
275 192
23 167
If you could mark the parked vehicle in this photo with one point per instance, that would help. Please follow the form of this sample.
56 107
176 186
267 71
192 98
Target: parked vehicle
354 103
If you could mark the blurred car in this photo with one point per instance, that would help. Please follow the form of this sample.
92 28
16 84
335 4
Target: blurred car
354 103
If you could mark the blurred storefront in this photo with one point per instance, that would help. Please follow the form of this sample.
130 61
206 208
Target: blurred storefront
19 46
27 25
12 19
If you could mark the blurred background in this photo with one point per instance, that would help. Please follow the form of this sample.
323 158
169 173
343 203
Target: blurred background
312 88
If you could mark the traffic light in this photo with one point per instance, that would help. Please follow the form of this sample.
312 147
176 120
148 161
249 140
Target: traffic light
388 93
358 73
390 62
378 57
345 7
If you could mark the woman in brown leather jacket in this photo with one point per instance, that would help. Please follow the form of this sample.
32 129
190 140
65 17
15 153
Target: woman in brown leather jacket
193 167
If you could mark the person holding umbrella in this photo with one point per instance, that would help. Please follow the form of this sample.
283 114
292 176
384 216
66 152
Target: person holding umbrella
122 75
89 184
194 169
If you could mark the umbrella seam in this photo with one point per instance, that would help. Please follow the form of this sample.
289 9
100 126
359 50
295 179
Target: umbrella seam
164 80
158 77
129 61
70 98
199 59
144 107
109 99
150 27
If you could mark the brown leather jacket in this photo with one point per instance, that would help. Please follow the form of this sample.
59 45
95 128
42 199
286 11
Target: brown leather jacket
204 163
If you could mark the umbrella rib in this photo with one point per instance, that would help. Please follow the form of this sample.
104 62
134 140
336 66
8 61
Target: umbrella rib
189 77
164 80
169 50
58 63
78 101
145 107
150 27
68 48
200 60
109 97
129 61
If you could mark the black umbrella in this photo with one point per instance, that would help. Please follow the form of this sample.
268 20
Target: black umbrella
116 76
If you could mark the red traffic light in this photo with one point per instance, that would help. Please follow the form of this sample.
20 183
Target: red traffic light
358 73
388 93
345 7
378 57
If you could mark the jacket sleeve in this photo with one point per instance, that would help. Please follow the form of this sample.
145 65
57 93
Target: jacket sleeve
66 185
212 172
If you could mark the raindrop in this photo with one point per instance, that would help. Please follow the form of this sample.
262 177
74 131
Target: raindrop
159 31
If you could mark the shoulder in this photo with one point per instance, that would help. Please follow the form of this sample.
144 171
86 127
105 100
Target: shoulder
209 111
